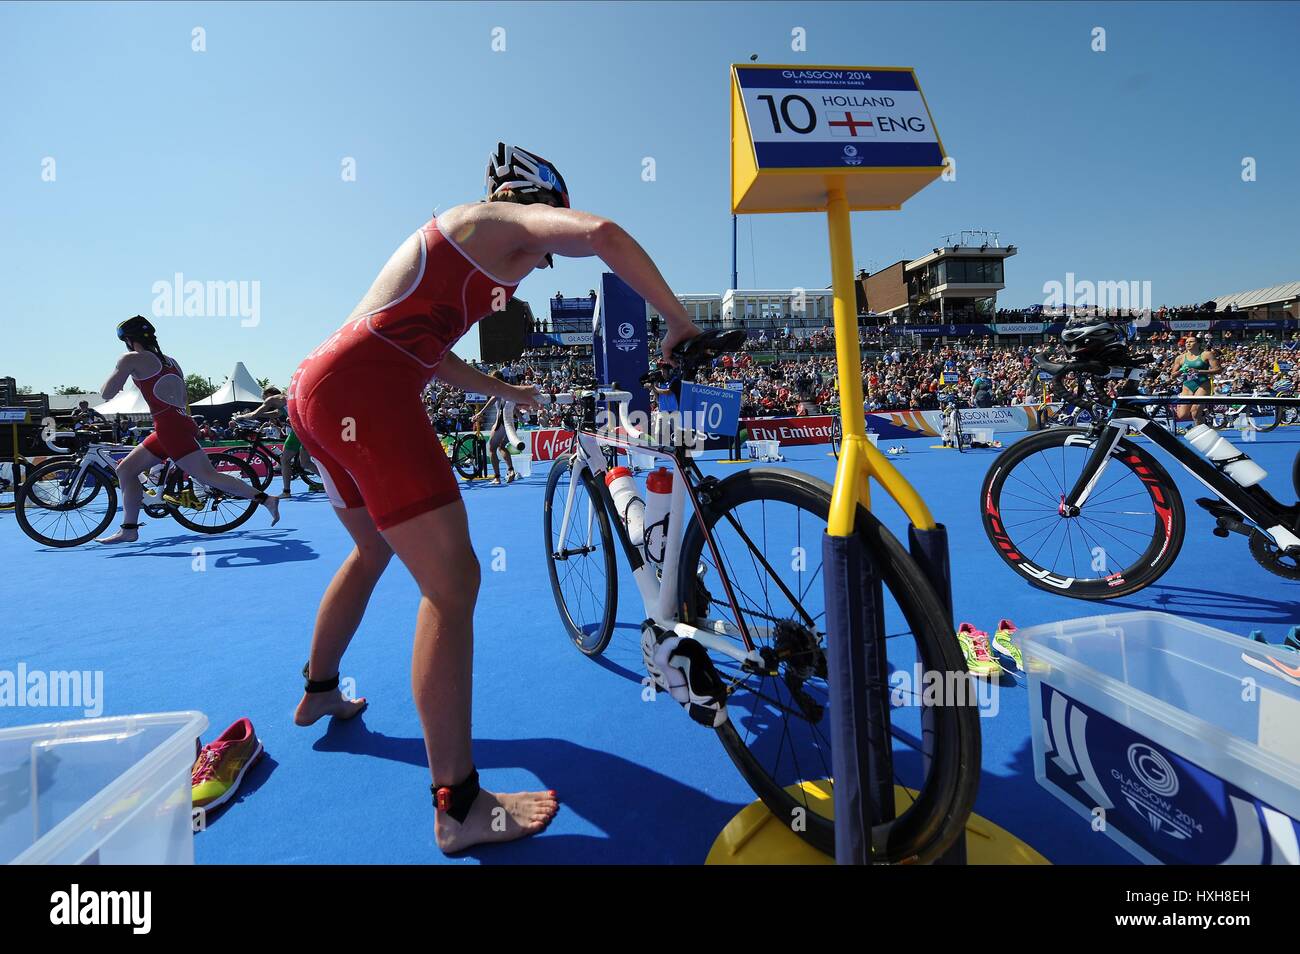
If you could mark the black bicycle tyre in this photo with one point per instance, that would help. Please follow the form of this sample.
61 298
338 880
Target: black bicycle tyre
246 474
464 457
1279 413
1155 560
938 815
23 496
590 644
269 465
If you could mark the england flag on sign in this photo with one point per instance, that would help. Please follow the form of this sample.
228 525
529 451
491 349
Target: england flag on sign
850 124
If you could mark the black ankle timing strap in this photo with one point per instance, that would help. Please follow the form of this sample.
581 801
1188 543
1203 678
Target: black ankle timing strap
260 497
319 685
456 800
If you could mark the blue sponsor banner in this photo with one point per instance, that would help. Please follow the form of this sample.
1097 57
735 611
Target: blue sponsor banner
713 410
619 344
1158 805
735 385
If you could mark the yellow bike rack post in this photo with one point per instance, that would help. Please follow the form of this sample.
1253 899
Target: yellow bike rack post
841 139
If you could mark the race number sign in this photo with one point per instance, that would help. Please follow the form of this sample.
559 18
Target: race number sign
796 129
712 410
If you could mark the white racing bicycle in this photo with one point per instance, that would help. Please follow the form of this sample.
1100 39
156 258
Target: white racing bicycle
734 619
71 500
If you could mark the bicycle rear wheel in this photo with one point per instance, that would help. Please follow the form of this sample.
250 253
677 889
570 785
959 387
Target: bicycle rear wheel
464 456
583 566
208 510
59 506
1124 538
767 525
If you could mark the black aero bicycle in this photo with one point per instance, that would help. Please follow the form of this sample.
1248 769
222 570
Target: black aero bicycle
1088 513
736 569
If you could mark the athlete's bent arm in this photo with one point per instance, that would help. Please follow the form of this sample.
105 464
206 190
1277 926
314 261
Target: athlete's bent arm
575 234
117 379
456 372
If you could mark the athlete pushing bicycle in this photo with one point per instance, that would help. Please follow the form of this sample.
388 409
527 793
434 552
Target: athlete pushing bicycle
274 407
355 403
175 435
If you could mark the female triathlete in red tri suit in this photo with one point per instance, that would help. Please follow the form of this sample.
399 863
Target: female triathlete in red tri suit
355 404
175 435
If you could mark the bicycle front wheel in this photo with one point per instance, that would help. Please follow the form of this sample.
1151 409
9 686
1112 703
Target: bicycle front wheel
205 509
580 558
59 505
1126 535
767 528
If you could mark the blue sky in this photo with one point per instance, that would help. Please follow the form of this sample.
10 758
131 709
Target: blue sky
225 165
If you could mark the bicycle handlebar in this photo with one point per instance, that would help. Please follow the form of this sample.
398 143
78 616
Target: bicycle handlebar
620 398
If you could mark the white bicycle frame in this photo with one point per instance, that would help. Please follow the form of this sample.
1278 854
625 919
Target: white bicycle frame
658 594
106 457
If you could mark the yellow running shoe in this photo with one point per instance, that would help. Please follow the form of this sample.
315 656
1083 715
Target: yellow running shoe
1005 646
222 764
975 647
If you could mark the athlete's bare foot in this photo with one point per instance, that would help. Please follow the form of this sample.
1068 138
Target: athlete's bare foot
494 818
123 535
272 503
316 705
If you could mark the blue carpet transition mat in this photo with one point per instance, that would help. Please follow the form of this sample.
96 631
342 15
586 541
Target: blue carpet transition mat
639 782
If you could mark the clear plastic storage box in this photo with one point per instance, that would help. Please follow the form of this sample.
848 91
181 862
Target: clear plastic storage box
99 791
1178 741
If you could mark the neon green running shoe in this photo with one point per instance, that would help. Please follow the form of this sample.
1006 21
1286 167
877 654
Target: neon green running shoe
975 647
1004 645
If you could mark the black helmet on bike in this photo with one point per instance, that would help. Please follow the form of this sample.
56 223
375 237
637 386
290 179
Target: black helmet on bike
1085 336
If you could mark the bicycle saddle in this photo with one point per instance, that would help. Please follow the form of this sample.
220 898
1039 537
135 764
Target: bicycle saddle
708 345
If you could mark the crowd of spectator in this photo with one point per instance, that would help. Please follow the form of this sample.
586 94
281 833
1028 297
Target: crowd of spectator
974 374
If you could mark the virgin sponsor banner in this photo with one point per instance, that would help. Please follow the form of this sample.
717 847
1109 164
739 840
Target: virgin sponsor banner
548 443
789 430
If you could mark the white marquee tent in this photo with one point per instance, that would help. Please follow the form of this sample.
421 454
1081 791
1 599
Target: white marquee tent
240 387
127 401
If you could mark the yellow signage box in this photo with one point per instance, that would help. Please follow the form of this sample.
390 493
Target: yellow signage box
797 131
